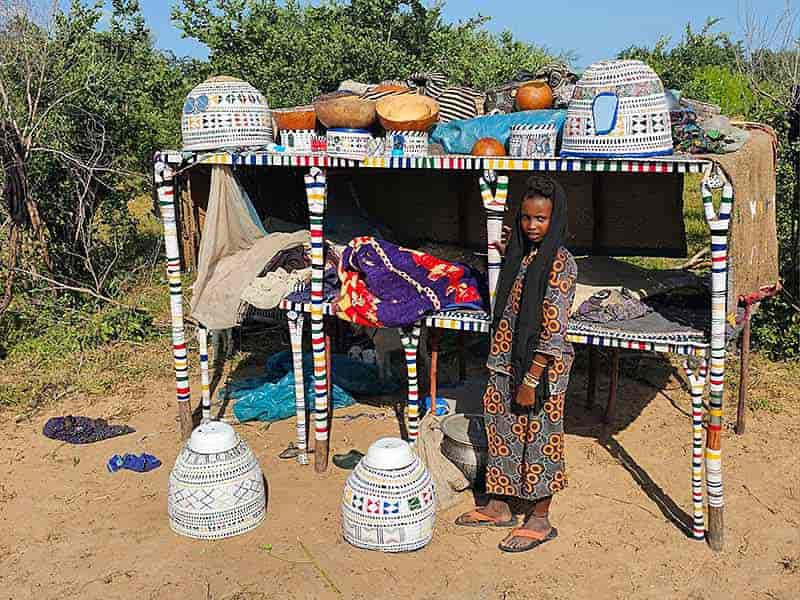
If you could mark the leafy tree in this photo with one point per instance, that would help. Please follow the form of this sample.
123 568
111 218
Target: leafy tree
83 110
293 51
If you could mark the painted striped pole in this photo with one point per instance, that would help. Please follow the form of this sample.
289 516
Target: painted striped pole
202 341
409 337
697 383
495 206
164 181
295 321
316 192
719 226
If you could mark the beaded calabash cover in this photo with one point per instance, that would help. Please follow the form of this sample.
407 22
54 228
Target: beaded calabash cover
389 502
224 112
216 488
618 109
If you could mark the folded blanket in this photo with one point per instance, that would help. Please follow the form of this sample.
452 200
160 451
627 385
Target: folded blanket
606 306
267 292
384 285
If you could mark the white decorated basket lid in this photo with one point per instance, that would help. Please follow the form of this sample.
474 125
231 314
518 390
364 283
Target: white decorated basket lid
225 112
212 438
389 454
618 109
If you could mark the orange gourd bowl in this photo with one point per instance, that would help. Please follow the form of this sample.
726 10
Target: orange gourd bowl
297 118
535 95
488 147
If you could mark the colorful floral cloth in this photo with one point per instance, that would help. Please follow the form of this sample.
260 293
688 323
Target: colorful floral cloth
384 285
526 444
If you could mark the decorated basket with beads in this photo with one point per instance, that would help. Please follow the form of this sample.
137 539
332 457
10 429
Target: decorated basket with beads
297 140
389 502
406 143
618 109
348 143
533 141
224 112
216 488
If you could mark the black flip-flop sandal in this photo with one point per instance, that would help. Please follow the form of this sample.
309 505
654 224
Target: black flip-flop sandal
349 460
527 533
478 519
293 451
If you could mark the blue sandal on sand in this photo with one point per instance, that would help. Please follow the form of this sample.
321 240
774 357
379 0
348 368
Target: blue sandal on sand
140 464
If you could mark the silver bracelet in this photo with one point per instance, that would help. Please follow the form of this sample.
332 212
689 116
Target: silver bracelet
530 381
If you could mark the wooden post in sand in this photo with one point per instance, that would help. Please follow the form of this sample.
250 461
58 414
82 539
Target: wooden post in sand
165 187
718 223
316 193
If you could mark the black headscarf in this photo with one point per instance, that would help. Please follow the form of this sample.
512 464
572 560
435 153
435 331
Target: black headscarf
529 320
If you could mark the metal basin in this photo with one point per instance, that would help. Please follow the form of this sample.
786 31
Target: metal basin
464 444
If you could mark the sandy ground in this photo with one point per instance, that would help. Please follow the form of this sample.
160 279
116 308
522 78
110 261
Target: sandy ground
70 529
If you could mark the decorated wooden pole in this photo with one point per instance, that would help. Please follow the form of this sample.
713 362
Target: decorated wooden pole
316 192
202 341
697 383
719 225
495 206
409 337
164 181
295 320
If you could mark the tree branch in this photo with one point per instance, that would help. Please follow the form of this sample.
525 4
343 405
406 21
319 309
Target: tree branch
58 285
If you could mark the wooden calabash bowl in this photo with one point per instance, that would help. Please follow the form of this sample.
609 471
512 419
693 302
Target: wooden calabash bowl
428 109
348 112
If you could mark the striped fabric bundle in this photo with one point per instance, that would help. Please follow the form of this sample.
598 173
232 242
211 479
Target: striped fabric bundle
455 102
383 89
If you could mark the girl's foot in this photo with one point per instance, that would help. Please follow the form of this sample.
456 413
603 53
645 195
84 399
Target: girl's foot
495 514
535 532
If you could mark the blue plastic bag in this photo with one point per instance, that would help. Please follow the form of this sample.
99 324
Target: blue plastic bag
458 137
257 399
351 375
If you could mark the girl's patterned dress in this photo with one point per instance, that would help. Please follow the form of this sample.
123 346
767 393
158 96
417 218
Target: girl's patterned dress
526 444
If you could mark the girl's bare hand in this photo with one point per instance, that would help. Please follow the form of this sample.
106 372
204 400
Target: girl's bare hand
526 396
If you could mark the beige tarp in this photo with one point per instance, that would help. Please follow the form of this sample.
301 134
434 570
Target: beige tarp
233 251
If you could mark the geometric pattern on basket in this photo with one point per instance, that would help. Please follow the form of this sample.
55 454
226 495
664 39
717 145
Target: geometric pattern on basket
218 495
618 109
391 510
406 143
532 141
223 112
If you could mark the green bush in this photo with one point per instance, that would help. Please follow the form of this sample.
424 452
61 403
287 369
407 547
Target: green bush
720 85
707 66
776 329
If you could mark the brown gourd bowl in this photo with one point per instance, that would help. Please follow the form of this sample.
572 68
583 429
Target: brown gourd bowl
297 118
350 112
426 113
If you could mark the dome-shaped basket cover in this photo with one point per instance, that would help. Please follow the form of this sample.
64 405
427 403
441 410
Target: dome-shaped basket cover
216 488
618 109
389 509
224 112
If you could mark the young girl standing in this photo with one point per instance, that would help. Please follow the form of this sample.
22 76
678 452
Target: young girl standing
529 365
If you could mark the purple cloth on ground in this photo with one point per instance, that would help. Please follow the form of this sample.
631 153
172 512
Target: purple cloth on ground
82 430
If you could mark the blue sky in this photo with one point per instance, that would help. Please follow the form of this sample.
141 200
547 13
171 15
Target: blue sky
593 29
